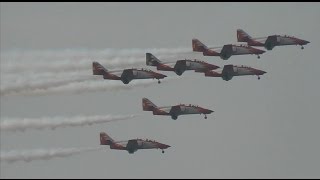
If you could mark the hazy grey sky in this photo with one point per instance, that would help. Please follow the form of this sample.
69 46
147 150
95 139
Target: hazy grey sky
267 128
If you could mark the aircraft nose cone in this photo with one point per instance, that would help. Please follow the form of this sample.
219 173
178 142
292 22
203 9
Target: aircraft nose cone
262 72
162 75
306 42
214 67
259 72
164 146
207 111
261 51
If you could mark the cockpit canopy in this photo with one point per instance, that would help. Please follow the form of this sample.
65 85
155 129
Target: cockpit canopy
190 105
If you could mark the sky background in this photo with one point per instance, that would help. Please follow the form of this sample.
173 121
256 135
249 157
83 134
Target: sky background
267 128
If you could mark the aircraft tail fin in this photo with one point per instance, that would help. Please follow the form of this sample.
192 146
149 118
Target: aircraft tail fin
198 46
147 105
242 36
98 69
151 60
105 139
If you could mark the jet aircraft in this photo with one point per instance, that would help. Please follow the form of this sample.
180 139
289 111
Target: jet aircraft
125 75
180 66
226 51
174 111
271 41
230 70
131 145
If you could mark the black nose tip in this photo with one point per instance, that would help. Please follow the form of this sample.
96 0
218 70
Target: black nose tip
263 72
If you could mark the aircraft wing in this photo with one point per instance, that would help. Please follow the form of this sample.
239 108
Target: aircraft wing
132 145
273 40
175 110
228 69
181 64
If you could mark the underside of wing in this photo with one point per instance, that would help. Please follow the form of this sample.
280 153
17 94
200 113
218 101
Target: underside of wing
228 69
175 110
132 146
271 42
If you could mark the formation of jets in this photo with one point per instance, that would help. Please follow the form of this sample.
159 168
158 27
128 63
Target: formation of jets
182 65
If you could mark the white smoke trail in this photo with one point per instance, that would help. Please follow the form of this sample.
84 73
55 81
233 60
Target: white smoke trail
70 65
78 60
43 154
21 85
28 71
22 124
38 55
84 86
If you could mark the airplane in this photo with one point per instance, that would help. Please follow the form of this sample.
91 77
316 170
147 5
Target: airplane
125 75
180 66
230 70
131 145
174 111
271 41
226 51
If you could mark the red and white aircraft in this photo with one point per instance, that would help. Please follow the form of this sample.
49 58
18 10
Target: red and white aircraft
230 70
125 75
131 145
226 51
180 66
271 41
174 111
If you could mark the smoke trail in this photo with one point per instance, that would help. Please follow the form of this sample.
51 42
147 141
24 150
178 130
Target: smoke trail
43 154
23 85
56 122
77 60
70 65
84 86
27 71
